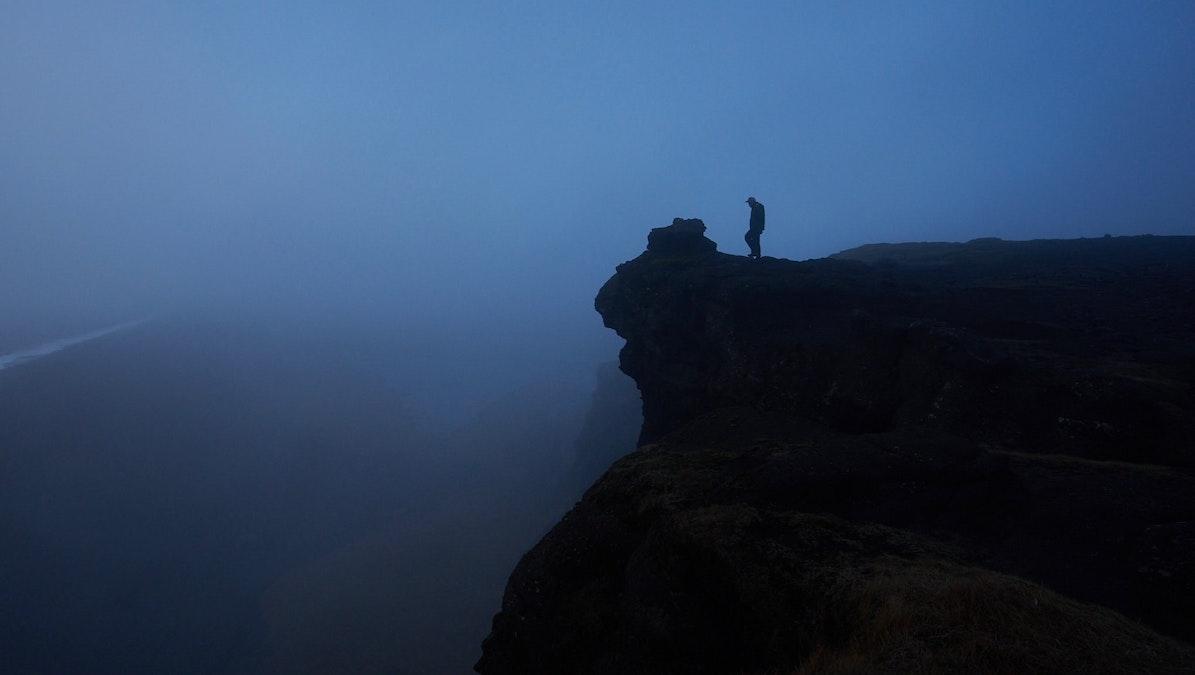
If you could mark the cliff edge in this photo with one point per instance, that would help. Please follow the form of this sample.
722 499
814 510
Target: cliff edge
925 457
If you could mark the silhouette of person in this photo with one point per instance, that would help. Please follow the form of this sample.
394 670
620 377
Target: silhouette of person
755 227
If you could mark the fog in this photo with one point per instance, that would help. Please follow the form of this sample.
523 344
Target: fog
414 204
444 159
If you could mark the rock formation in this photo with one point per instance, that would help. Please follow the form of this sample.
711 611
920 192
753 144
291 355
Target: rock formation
611 426
945 457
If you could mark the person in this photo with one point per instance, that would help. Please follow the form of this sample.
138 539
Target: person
755 227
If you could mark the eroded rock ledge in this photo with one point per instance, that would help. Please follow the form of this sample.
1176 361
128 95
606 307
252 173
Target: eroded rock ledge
887 461
1076 347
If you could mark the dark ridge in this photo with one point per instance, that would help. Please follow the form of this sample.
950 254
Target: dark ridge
920 457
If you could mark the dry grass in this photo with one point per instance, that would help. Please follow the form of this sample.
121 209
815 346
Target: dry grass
940 618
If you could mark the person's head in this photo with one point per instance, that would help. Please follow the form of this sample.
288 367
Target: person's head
751 201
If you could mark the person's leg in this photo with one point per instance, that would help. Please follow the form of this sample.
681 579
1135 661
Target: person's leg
752 239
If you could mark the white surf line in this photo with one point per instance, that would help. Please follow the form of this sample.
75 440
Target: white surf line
16 358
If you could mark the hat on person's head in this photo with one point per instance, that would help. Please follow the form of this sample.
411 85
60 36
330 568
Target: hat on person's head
751 200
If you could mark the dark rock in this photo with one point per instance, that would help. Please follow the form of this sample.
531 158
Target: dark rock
1050 347
611 426
894 460
684 237
745 544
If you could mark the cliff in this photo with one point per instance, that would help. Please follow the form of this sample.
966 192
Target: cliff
949 457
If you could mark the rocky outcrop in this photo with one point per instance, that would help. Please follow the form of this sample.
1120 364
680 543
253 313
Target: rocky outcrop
1080 348
611 426
945 457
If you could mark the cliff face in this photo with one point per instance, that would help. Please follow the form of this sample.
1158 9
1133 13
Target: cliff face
1080 348
890 460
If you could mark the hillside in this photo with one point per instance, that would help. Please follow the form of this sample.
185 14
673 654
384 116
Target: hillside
925 457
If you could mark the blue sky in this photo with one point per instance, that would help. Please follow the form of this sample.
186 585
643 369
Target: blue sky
468 158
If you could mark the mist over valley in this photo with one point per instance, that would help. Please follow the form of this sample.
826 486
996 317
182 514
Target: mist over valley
430 337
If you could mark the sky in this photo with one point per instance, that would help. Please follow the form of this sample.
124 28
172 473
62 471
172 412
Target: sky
475 161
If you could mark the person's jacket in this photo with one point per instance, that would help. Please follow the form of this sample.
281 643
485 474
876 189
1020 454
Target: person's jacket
756 217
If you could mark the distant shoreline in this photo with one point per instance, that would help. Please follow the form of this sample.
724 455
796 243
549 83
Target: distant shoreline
47 348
